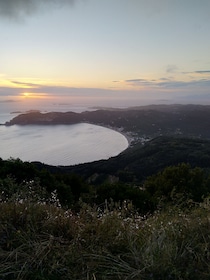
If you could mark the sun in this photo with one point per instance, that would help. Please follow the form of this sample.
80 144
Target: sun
31 95
26 94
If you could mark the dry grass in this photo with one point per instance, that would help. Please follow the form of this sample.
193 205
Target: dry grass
40 240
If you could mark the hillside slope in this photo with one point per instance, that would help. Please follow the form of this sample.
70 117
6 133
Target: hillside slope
140 161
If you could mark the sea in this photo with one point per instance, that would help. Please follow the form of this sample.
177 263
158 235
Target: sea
58 145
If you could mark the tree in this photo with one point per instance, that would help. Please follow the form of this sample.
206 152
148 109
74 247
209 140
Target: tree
190 182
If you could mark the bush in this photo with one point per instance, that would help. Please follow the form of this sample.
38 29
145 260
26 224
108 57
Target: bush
190 183
43 241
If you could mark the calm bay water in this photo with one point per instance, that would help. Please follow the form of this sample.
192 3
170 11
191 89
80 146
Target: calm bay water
60 144
56 144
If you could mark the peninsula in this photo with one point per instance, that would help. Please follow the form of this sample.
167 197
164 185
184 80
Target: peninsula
141 123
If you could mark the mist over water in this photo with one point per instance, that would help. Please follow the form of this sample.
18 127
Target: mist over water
57 144
60 144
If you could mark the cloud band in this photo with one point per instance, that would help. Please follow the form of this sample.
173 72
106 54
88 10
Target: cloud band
21 8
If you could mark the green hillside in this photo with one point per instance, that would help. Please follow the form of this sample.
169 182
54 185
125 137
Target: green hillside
139 161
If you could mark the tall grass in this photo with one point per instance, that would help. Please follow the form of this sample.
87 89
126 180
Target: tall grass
41 240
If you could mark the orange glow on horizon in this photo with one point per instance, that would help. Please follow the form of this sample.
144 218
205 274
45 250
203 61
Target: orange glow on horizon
31 95
26 94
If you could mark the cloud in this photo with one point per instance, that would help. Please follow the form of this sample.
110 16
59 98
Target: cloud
165 79
25 84
168 83
17 9
140 86
9 91
8 101
138 82
135 80
171 68
182 84
203 72
176 92
52 90
198 72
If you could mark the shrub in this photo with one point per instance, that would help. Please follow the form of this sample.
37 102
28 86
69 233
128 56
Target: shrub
45 241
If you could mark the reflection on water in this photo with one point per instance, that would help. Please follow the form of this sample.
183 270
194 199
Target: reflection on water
60 144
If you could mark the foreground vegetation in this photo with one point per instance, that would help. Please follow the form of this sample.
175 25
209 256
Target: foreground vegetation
58 227
41 240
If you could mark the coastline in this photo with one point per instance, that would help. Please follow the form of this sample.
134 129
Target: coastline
61 152
127 135
130 139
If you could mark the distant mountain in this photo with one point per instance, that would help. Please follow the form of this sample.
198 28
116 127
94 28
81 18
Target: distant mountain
140 122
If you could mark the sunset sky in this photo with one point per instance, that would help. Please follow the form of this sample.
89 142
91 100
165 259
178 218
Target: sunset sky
154 50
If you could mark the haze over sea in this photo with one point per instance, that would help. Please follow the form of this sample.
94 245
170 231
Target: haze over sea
58 144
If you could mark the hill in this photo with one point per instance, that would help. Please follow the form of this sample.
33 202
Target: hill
162 135
140 122
140 161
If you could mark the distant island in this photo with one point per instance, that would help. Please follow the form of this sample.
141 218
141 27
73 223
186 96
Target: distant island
140 123
29 111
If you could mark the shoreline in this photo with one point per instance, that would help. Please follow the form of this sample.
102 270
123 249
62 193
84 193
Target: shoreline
113 148
130 139
127 134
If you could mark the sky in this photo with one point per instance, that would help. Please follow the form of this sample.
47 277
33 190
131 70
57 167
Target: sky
130 52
